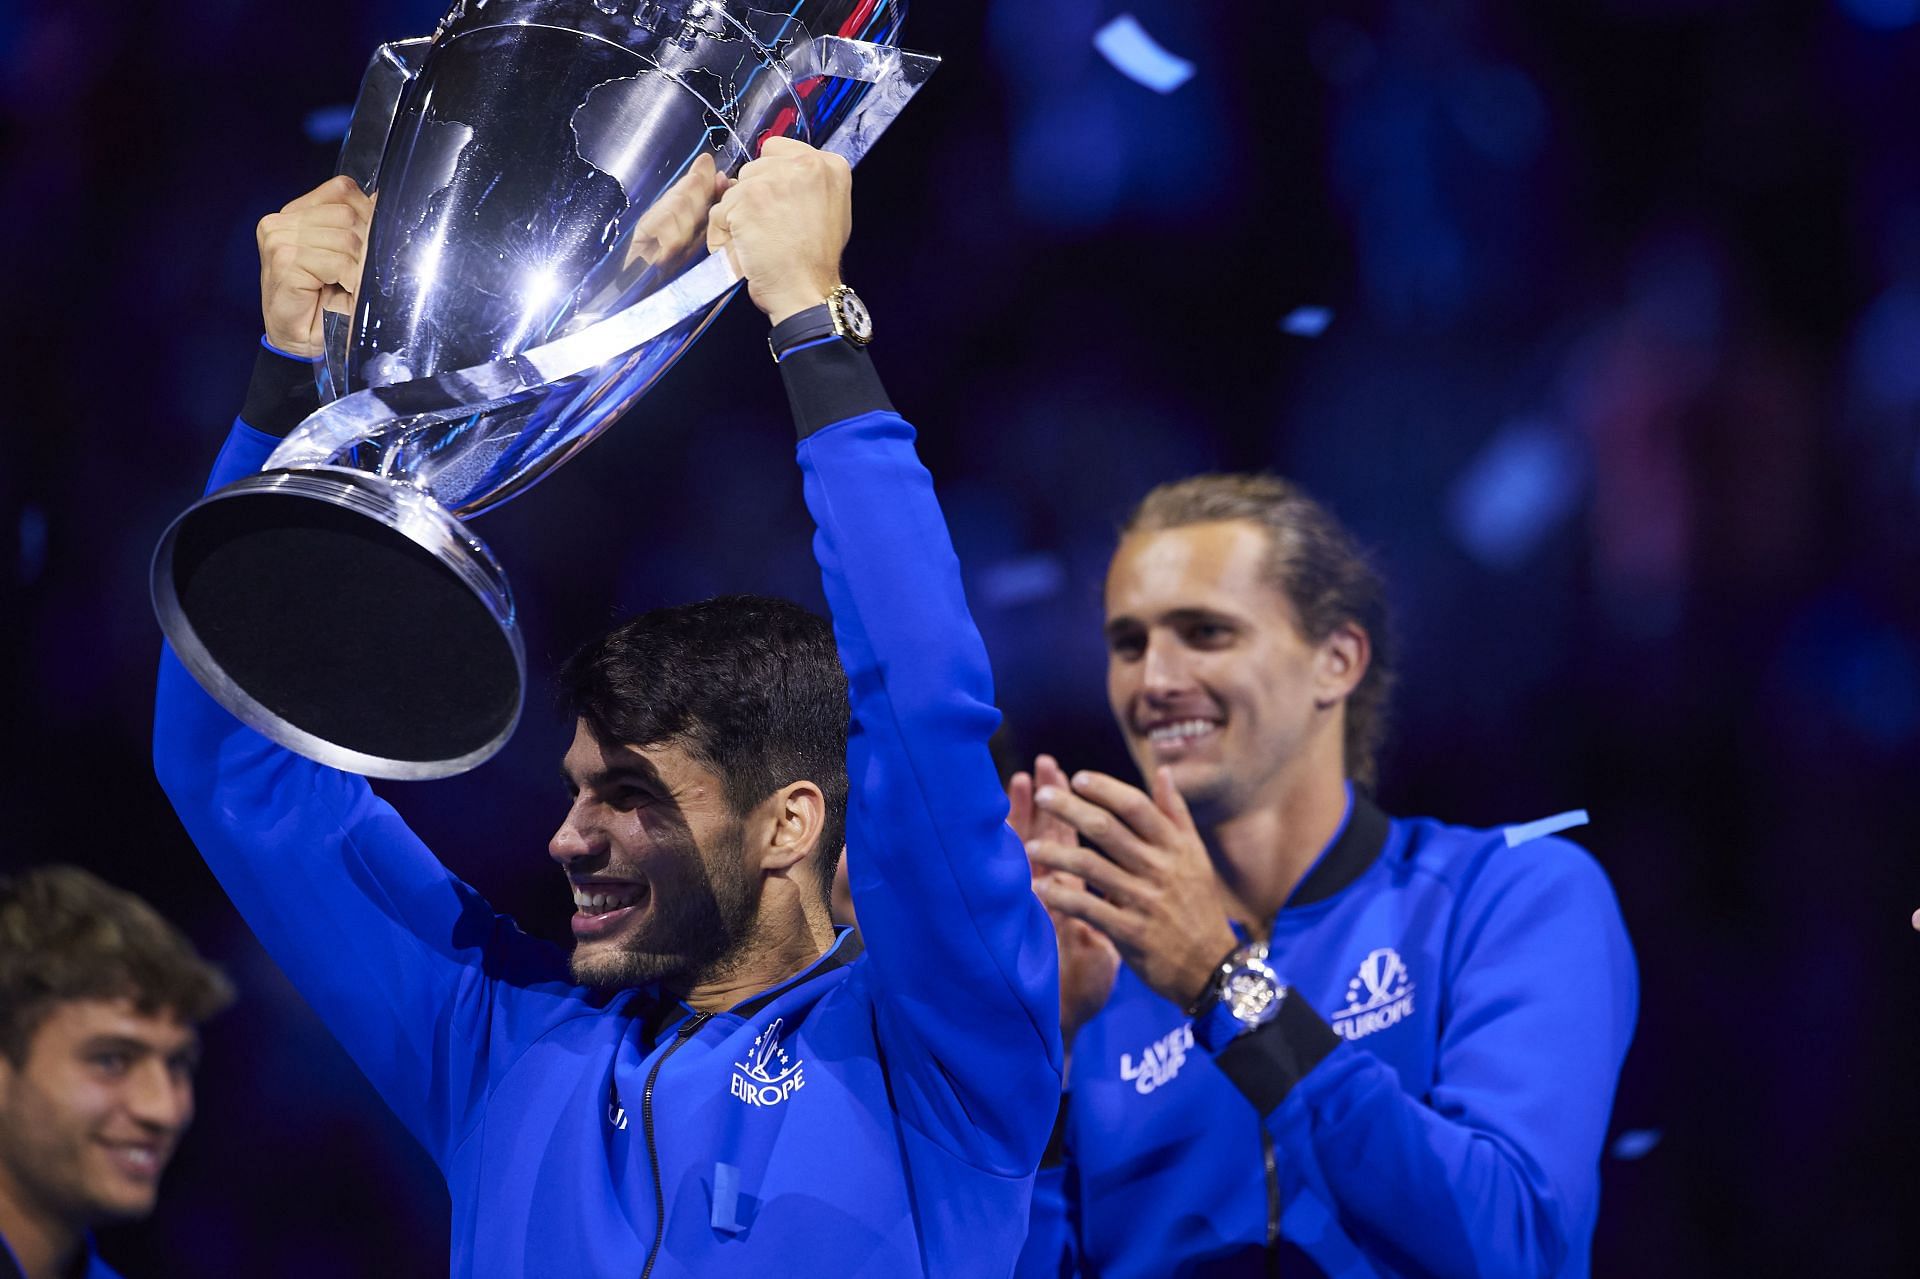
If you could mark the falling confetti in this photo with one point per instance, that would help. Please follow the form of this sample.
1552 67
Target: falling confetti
1139 57
1307 321
328 124
1516 492
1025 579
1518 835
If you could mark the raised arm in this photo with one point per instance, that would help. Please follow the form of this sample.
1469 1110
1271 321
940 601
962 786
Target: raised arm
961 952
405 964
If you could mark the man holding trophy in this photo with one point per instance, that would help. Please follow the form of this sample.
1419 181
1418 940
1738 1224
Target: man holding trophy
716 1080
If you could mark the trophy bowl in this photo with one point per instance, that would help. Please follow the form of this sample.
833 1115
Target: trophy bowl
536 261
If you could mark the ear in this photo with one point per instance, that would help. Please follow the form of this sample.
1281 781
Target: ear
1340 663
796 814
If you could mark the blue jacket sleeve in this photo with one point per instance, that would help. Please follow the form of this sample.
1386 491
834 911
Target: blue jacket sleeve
1496 1172
961 954
407 966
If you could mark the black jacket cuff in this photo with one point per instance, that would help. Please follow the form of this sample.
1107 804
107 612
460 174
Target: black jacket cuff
830 383
281 393
1265 1063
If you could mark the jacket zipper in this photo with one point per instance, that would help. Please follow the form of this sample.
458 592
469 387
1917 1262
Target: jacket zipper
1273 1202
685 1033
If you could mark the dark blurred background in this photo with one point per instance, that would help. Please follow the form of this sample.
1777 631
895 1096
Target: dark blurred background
1600 322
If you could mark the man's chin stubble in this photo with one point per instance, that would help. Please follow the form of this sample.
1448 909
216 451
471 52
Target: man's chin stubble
623 970
627 969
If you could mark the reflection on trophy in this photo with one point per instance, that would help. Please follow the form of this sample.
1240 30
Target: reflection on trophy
542 171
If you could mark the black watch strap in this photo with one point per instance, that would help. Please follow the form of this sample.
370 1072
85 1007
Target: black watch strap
799 329
1216 982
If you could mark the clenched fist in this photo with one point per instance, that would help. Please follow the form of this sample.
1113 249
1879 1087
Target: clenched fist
310 258
785 222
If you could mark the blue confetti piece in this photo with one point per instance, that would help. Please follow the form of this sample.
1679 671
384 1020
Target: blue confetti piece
1518 835
328 124
726 1199
1139 57
1025 579
1307 321
1637 1143
1521 487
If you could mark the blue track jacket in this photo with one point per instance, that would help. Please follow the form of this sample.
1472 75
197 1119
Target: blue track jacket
880 1114
1431 1101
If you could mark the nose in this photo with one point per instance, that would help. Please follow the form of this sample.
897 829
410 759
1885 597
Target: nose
159 1096
576 838
1163 670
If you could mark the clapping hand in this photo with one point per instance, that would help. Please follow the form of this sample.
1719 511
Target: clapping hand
1148 885
1088 961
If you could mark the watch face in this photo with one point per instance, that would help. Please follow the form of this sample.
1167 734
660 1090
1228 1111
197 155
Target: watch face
854 320
1251 995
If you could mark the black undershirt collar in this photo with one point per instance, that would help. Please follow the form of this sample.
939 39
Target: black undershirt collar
1352 853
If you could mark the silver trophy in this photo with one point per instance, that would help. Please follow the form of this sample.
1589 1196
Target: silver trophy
541 172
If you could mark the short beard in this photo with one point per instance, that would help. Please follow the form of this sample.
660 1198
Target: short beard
706 933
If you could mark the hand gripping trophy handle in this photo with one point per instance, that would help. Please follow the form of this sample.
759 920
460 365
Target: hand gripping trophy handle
530 274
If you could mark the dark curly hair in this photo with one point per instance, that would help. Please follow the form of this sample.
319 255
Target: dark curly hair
749 685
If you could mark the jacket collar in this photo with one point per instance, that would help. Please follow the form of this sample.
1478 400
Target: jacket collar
1346 859
661 1012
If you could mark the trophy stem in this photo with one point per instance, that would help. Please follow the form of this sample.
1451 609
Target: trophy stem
345 616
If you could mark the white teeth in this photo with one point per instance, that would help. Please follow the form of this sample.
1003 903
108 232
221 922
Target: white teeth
1186 728
138 1158
600 902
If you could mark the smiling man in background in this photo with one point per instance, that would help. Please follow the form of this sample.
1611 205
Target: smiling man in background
1339 1043
99 1001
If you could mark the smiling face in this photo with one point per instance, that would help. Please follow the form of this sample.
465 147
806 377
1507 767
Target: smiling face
92 1113
654 856
1209 674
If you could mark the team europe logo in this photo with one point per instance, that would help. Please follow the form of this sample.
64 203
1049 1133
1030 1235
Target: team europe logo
1380 995
767 1077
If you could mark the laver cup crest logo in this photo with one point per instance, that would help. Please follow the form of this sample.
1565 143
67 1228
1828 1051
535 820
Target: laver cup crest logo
1380 995
768 1076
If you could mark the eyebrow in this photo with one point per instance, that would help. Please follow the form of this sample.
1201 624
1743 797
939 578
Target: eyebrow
110 1042
119 1043
1178 617
602 778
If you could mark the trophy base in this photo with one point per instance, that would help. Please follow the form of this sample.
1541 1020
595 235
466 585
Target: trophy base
347 617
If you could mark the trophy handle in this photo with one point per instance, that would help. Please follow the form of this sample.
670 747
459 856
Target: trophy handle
392 68
893 75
